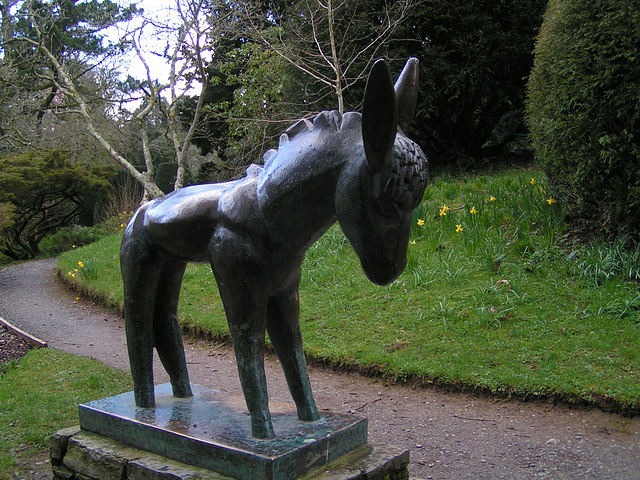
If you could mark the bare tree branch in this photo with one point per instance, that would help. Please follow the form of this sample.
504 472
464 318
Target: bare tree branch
308 39
65 84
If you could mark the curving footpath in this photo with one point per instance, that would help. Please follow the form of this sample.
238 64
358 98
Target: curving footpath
451 436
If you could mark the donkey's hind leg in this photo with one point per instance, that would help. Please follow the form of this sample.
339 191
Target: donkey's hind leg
140 276
167 329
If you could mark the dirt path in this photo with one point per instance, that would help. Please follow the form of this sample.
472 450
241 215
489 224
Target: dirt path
450 436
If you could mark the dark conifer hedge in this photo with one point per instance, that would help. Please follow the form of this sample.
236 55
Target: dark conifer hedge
583 110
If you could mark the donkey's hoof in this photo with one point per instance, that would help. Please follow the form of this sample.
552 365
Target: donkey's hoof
182 391
145 399
308 414
262 429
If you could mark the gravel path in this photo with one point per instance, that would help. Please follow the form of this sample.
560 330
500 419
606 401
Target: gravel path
450 436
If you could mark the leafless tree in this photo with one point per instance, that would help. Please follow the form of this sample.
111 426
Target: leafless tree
180 41
331 42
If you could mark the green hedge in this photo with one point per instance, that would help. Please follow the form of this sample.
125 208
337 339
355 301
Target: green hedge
583 110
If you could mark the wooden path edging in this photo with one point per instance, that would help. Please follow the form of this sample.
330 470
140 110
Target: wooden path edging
35 341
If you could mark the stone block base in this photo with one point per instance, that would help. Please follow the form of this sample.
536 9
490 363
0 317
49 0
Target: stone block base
80 455
212 431
208 437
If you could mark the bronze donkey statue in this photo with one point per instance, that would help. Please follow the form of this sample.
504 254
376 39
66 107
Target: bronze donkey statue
359 170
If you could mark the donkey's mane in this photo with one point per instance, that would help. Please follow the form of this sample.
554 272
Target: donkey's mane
329 118
330 121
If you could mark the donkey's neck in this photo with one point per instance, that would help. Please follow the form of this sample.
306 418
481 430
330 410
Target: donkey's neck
297 185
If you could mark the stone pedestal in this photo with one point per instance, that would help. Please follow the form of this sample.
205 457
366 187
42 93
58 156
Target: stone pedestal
208 437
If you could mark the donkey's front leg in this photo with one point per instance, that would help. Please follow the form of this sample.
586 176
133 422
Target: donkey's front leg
245 303
250 358
283 326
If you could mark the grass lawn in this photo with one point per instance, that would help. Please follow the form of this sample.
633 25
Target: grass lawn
40 395
495 298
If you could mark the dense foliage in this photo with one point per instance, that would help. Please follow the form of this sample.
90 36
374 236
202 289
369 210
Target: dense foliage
46 192
475 57
583 110
261 66
72 30
474 69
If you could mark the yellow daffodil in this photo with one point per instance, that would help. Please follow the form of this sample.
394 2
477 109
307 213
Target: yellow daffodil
459 228
473 210
492 198
420 222
443 210
77 299
412 242
533 181
550 201
73 246
81 265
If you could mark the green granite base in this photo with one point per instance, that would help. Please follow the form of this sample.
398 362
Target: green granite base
212 431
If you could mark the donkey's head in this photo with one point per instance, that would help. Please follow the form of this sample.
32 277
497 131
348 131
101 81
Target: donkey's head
376 197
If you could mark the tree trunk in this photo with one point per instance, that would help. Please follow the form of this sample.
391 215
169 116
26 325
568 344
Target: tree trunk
334 58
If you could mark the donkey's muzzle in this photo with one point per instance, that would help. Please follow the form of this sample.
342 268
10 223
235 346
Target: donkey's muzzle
382 272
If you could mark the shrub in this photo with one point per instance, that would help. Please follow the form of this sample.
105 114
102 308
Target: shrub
67 238
47 191
582 110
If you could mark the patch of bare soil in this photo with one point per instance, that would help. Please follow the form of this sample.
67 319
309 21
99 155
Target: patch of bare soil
11 348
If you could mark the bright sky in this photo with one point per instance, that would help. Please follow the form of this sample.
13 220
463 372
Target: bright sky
159 10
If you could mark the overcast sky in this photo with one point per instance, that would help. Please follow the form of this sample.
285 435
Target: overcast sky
157 9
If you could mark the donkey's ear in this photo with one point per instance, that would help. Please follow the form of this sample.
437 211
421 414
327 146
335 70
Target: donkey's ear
406 88
379 116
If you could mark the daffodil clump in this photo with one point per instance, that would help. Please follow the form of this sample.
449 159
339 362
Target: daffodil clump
118 222
76 271
85 270
513 211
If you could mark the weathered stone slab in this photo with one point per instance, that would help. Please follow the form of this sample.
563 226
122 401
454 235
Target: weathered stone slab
154 467
212 431
90 456
59 442
371 462
60 472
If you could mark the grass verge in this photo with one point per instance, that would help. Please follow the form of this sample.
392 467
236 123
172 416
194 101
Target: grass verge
40 395
495 299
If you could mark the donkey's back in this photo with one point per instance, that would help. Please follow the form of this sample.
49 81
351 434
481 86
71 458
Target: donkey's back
181 224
